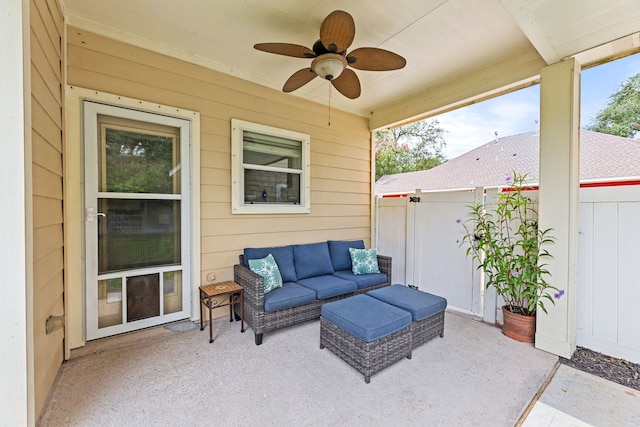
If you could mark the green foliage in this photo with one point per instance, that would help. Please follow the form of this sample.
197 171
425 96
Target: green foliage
139 163
509 247
414 147
621 116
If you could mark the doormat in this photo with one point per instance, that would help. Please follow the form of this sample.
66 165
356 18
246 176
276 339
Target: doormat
183 326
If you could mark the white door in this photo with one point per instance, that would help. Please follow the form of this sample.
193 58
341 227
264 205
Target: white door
136 219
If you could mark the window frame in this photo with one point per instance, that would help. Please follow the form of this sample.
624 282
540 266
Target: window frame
238 206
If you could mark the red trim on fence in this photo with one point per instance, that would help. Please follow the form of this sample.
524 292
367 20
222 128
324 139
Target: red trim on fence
610 184
535 187
530 188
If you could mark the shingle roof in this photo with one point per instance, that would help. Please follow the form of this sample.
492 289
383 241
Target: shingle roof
602 157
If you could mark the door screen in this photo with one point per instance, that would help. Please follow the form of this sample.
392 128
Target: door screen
136 202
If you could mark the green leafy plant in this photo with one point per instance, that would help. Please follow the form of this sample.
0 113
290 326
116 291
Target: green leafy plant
509 247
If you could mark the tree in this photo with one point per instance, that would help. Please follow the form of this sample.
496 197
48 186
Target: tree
413 147
621 116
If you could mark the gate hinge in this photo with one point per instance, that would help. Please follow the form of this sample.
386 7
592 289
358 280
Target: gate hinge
414 199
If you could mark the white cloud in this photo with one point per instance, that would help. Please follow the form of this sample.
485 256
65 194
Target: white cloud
517 112
475 125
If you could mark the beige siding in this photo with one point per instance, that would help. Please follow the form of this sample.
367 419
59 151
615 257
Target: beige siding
47 171
340 153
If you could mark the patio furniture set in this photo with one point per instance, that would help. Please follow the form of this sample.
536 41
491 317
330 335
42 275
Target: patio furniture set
364 320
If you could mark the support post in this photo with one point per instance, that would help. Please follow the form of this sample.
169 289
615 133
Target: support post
16 314
558 200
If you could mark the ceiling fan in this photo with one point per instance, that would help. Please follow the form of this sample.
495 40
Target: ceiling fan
330 57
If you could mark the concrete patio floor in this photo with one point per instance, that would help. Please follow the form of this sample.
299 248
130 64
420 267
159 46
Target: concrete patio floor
474 376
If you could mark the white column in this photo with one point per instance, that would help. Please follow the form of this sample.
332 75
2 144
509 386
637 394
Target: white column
559 193
16 333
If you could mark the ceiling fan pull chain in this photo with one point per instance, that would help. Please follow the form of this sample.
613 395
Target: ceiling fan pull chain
329 103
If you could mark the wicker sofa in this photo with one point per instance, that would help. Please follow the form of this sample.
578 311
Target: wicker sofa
313 274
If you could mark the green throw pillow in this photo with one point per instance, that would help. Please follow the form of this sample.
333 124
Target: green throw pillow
364 261
268 269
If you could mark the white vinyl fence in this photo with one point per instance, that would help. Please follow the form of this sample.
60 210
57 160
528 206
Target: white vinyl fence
422 235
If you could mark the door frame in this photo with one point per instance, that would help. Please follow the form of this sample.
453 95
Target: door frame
74 201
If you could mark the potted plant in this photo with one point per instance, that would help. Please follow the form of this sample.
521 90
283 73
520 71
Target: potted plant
510 249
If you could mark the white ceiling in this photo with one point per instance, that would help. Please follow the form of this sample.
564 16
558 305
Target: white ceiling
441 39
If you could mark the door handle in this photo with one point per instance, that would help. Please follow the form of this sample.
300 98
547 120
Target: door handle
90 214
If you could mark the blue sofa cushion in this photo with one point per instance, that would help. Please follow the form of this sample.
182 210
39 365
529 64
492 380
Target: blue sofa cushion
339 250
312 260
283 256
289 295
362 280
328 286
420 304
365 317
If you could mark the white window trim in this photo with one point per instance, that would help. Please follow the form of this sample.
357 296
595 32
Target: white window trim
237 176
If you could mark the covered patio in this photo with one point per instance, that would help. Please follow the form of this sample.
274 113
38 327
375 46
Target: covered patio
473 376
186 71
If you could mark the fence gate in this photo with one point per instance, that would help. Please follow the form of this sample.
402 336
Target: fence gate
422 234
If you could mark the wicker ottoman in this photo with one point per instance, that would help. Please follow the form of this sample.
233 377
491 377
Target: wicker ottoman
366 333
427 310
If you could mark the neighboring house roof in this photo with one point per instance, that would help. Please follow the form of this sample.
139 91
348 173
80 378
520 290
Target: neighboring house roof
602 157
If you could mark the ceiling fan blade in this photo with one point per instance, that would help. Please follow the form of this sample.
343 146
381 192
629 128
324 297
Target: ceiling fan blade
337 31
374 59
347 84
299 79
286 49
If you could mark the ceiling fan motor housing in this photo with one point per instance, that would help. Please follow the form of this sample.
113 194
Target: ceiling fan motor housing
329 65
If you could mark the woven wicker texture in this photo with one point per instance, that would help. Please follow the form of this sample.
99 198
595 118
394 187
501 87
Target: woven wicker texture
261 321
426 329
366 357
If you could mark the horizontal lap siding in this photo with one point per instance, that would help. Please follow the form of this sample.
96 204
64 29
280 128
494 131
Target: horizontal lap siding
340 153
47 176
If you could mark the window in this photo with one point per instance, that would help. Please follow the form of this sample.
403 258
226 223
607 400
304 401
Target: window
270 169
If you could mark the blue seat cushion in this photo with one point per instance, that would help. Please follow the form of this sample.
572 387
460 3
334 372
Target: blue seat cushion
339 250
312 259
362 280
289 295
420 304
328 286
366 318
283 256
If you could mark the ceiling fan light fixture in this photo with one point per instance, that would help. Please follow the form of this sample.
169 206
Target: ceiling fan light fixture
329 65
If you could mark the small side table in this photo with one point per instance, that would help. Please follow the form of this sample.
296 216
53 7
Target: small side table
233 293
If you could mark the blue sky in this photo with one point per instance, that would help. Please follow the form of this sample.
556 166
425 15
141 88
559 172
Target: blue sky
517 112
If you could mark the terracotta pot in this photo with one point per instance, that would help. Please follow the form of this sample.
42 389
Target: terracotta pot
519 327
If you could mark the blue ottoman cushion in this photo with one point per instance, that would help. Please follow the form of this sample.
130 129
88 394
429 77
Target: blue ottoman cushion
420 304
328 286
289 295
365 317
